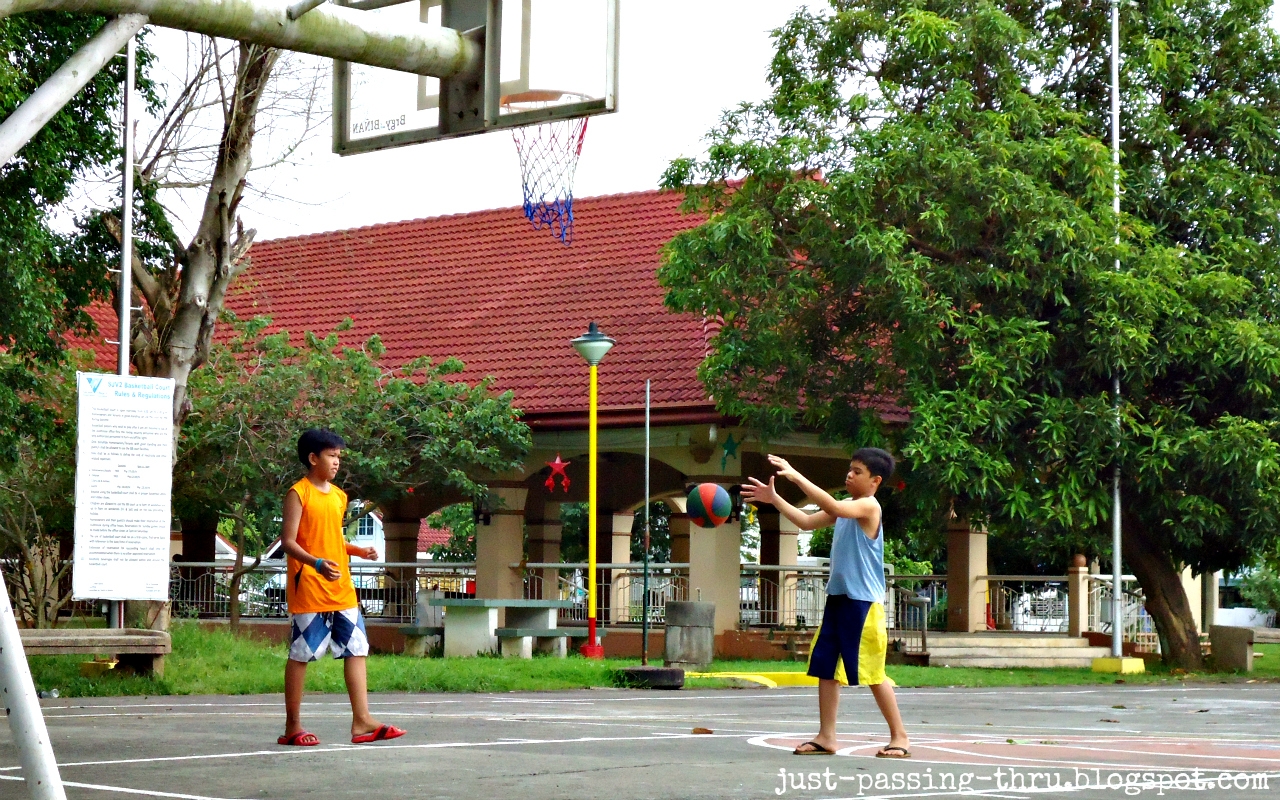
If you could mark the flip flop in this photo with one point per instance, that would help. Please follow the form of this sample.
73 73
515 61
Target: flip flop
887 752
383 732
300 739
818 750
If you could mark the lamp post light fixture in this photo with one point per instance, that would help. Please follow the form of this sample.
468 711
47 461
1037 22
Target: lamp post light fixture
592 346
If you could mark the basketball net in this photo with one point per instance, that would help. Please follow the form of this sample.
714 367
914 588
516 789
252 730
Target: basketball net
548 158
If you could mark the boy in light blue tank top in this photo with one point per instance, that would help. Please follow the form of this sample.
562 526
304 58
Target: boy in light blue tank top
853 627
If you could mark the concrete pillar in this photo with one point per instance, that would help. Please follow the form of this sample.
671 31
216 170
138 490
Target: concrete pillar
715 570
501 544
401 538
679 527
1191 585
544 537
402 541
770 544
966 595
1209 599
1078 596
788 555
620 580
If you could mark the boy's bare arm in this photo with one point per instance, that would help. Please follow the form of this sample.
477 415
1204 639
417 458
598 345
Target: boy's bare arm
289 537
863 508
757 492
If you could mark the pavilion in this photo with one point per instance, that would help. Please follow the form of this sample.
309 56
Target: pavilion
506 299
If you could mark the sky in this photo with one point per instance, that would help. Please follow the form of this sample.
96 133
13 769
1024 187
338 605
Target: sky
681 65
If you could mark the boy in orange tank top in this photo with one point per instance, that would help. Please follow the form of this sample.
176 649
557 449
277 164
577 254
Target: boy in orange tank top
323 611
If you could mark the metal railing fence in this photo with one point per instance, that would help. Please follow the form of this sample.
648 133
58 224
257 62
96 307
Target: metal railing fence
619 589
788 597
1137 624
385 591
1030 603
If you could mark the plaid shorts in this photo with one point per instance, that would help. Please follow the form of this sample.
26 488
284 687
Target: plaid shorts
341 631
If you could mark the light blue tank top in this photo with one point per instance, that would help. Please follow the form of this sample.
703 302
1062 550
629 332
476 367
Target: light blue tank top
857 562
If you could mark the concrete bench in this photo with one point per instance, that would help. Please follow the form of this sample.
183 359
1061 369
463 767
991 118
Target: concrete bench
524 642
420 640
1266 635
142 651
1232 648
471 624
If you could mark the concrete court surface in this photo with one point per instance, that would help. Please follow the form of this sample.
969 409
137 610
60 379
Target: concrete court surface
1208 740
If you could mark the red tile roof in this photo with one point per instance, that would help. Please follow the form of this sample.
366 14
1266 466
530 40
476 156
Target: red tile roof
428 536
506 299
105 355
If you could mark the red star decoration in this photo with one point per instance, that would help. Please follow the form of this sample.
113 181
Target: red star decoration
558 468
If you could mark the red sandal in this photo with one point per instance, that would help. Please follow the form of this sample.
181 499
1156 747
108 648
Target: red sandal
383 732
300 739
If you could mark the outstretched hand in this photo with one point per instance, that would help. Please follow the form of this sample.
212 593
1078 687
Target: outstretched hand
756 492
785 470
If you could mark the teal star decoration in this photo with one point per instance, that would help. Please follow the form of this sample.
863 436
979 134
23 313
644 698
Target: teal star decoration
730 451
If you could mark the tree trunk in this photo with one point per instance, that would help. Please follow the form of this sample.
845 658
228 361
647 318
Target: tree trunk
236 576
238 572
173 336
1166 600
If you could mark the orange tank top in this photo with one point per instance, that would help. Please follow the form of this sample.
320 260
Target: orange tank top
320 534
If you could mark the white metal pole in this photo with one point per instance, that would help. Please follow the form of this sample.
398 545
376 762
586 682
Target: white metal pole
644 610
26 722
1117 579
46 101
126 218
328 31
124 312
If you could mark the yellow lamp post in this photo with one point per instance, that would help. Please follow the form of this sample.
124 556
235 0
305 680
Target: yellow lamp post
593 346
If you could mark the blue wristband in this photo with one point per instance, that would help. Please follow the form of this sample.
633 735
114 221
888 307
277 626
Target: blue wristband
319 563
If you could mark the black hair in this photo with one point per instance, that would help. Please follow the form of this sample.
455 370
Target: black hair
317 440
878 462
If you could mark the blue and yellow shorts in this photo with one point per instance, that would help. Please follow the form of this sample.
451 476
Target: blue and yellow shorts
852 632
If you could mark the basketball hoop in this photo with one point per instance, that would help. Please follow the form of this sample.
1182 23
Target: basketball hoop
548 158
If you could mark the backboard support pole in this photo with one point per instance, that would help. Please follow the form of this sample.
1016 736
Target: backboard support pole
328 30
26 721
301 7
463 105
36 111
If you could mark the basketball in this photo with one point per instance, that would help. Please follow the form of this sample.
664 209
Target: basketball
709 505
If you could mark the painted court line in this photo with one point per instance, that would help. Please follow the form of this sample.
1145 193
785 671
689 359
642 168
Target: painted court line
346 748
125 790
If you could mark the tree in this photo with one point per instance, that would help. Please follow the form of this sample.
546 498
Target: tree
36 491
43 288
204 141
659 534
180 287
919 213
461 524
405 428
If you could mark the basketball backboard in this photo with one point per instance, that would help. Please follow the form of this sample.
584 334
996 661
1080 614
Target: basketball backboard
544 60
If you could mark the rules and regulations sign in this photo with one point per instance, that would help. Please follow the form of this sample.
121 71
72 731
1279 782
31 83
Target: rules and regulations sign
124 476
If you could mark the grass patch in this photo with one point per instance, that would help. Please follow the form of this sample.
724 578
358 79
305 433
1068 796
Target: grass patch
212 661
